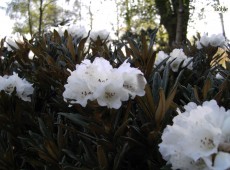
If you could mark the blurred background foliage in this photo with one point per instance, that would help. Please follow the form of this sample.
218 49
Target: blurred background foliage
172 17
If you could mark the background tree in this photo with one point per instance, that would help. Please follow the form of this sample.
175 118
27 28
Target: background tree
221 19
174 16
33 16
138 14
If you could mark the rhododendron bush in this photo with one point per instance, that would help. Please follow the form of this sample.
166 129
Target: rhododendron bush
72 99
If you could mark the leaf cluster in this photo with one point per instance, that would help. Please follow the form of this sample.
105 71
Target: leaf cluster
47 133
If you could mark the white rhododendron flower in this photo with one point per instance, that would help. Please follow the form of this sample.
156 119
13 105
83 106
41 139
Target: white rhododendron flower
31 55
103 34
161 55
12 40
204 40
112 94
100 81
60 29
177 56
219 76
222 161
134 81
73 30
194 139
78 92
23 88
215 40
188 63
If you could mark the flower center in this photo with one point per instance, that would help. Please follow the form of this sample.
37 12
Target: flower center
85 93
109 95
207 143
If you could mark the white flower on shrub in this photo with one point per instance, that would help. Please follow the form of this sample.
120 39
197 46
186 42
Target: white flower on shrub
188 63
100 81
60 29
23 88
103 34
194 139
76 30
13 39
204 40
219 76
161 55
72 29
177 56
215 40
112 94
78 92
31 55
134 81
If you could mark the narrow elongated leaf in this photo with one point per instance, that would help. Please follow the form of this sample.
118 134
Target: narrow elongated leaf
70 154
89 152
156 86
57 37
150 100
52 149
120 131
128 52
70 47
107 145
222 88
206 87
170 98
144 50
150 64
43 129
76 118
165 77
120 156
43 155
80 49
152 40
195 91
102 158
160 112
133 47
143 105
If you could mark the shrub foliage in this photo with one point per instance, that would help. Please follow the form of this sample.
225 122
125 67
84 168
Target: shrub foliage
48 133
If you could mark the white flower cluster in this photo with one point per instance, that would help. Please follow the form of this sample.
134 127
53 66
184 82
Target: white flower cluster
219 76
161 55
99 80
73 30
215 40
199 138
103 34
12 39
177 56
23 87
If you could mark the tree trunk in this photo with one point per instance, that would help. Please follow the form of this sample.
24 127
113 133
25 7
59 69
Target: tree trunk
29 18
91 16
40 17
127 15
179 27
174 20
118 19
221 20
